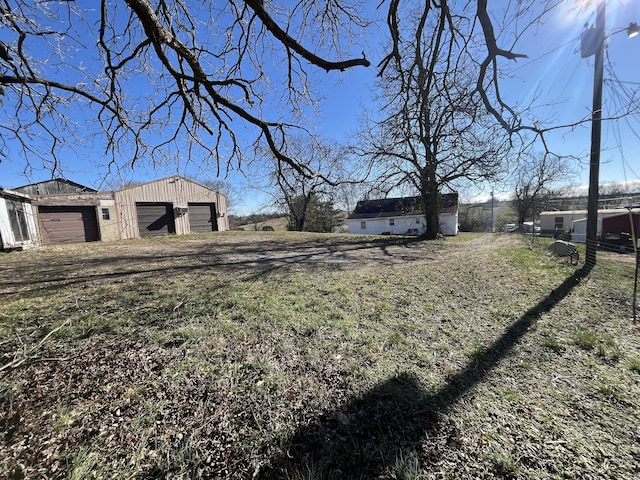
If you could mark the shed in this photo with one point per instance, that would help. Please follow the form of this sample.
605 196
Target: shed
53 187
170 205
401 216
622 223
76 217
619 231
17 222
579 230
66 211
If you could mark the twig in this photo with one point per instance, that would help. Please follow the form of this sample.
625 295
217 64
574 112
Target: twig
20 358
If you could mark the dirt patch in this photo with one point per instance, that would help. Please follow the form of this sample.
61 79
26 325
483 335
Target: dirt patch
627 259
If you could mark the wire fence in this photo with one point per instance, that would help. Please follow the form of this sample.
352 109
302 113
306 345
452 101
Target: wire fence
575 253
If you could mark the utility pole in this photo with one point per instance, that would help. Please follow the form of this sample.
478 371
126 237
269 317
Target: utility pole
596 122
492 229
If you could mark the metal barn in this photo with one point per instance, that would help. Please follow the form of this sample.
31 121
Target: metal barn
170 205
67 212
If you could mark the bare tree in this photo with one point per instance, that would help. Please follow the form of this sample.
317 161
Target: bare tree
297 193
156 81
478 37
228 189
435 129
537 177
160 80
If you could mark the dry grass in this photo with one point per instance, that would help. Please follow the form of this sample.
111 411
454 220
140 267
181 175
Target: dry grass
300 356
278 224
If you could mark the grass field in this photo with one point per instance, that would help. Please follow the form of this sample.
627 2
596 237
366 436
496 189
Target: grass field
298 356
278 225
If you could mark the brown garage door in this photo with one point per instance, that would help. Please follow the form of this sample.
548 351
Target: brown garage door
67 224
202 217
155 219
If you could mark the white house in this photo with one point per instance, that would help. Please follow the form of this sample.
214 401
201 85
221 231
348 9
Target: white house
401 216
17 223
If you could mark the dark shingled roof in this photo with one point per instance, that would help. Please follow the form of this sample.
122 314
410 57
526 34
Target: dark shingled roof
397 207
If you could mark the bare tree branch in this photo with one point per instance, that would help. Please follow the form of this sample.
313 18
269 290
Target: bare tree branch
159 79
287 41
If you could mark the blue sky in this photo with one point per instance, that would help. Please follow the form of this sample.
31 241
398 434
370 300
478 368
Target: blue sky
564 84
554 75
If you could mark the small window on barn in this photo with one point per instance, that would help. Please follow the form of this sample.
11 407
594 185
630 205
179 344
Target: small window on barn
105 214
559 223
392 221
363 225
417 219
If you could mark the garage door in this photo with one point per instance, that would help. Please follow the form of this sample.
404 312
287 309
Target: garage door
67 224
202 217
155 219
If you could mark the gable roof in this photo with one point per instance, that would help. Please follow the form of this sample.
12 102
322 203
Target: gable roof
398 207
54 186
169 179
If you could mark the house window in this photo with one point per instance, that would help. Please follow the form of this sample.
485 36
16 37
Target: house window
559 223
105 214
392 221
417 219
18 221
363 225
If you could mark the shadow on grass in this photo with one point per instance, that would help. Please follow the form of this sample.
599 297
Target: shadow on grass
391 422
255 259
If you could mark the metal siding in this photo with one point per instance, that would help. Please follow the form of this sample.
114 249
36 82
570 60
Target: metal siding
155 219
175 190
202 217
449 224
547 219
619 224
223 217
68 224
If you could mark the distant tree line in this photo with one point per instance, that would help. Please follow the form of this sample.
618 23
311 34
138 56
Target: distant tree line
304 214
237 220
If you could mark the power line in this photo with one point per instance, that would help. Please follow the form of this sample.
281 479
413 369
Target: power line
626 82
624 100
543 55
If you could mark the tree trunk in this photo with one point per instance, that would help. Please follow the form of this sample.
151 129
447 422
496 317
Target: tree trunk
431 204
524 210
433 220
